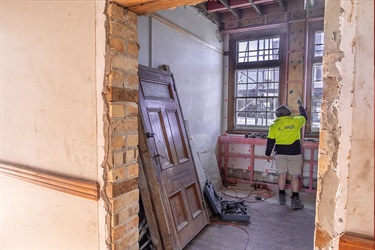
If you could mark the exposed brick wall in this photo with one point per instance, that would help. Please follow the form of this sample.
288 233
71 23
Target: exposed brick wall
121 128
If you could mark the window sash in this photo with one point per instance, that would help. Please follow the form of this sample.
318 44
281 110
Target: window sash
256 96
316 95
318 43
258 50
316 80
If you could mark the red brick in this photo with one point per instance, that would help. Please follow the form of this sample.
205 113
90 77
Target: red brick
131 155
118 142
129 242
133 170
120 217
125 125
134 210
117 77
132 81
124 95
131 110
131 20
123 216
118 174
118 45
118 29
123 187
117 111
132 140
125 200
116 11
118 157
132 49
133 223
119 232
124 63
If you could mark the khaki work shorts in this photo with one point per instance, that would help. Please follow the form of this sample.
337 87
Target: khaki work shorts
289 163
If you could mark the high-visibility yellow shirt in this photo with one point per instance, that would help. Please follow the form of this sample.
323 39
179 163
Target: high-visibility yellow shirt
286 129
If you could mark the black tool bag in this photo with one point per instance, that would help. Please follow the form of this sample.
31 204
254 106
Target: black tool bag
228 210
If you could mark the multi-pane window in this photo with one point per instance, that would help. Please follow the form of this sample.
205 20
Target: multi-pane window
319 44
257 86
317 80
258 50
317 93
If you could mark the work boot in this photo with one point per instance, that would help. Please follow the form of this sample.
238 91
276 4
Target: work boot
296 203
282 199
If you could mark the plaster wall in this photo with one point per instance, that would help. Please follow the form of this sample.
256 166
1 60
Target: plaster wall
48 121
358 41
48 99
345 196
197 68
34 217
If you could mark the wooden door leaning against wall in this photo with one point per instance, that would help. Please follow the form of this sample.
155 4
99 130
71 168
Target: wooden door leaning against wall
168 165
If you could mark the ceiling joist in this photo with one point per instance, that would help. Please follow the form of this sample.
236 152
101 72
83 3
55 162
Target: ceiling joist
149 6
283 5
233 11
217 6
256 7
214 17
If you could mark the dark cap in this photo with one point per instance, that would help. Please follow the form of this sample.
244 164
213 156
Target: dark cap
283 111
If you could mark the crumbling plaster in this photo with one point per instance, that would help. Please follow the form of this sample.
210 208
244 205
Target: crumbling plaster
343 112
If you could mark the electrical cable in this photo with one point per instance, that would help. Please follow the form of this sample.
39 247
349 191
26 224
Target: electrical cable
253 194
234 225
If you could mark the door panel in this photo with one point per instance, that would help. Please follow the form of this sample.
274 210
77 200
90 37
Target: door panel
172 162
193 200
161 138
179 211
178 139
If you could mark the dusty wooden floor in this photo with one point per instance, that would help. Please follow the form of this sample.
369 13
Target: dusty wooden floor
271 227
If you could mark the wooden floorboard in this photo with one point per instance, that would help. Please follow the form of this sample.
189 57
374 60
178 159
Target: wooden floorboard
271 227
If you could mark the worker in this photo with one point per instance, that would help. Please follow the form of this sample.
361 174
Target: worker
284 139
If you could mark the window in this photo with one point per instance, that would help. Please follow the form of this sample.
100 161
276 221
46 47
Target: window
317 81
258 50
257 75
256 96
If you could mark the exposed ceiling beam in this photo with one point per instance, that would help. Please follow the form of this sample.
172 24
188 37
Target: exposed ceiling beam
257 8
233 11
217 6
213 17
283 5
149 6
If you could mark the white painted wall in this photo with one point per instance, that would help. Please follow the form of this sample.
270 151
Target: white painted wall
196 67
357 68
48 102
34 217
48 107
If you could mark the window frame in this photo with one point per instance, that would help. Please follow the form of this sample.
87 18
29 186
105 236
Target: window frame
234 65
313 26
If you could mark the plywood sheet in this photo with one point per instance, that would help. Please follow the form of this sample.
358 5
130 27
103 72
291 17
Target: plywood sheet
295 91
296 65
204 156
297 36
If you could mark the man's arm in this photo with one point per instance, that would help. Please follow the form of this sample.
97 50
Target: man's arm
301 109
270 144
